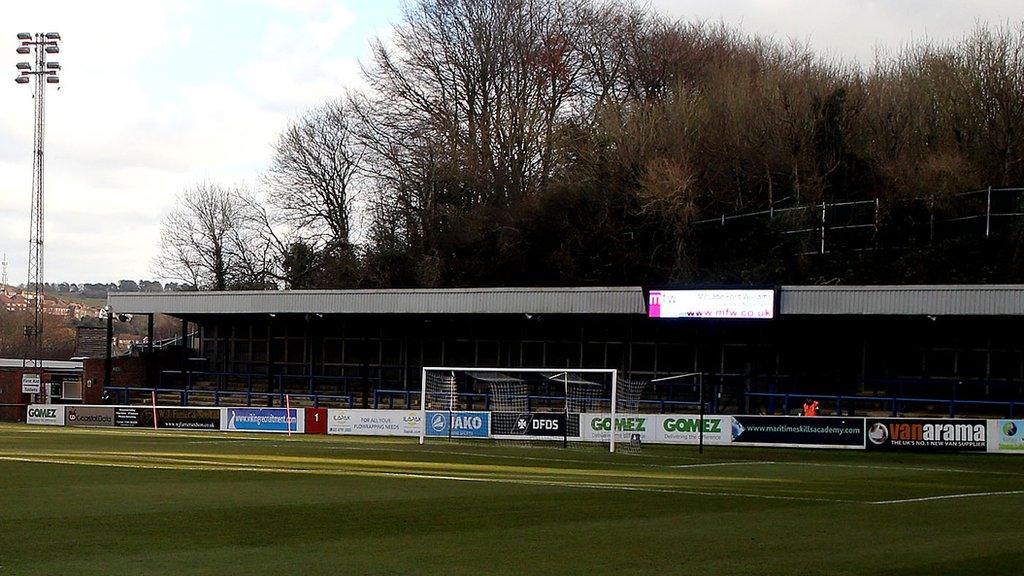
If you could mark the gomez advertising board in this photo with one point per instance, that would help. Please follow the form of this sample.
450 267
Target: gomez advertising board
598 427
679 429
45 414
262 420
375 422
458 424
739 304
798 431
926 434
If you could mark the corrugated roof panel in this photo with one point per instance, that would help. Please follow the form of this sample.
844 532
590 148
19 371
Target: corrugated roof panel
936 300
615 300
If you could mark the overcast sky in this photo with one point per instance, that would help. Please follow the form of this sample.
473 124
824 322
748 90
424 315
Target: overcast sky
159 94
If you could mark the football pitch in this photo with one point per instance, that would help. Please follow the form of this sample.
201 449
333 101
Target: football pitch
92 501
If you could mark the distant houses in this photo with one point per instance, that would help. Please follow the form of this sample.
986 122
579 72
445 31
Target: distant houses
17 300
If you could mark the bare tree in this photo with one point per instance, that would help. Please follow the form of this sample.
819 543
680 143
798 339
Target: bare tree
214 240
311 177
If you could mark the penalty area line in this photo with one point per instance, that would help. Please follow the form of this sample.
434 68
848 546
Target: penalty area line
947 497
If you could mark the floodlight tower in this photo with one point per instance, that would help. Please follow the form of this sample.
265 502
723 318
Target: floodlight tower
40 44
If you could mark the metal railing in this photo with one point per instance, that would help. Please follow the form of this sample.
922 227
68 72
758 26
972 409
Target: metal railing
896 403
410 400
124 395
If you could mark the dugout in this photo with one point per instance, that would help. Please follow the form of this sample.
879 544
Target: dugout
861 349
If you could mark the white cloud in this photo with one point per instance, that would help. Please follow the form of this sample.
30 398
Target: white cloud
156 96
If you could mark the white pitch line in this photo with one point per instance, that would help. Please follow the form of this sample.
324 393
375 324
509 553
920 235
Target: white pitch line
948 497
740 463
898 468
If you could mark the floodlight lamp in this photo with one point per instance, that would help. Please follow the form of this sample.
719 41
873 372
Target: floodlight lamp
24 36
52 80
23 66
23 50
52 49
21 79
53 36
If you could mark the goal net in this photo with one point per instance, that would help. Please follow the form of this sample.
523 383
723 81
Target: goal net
571 407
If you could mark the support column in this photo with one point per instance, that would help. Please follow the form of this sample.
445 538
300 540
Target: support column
108 366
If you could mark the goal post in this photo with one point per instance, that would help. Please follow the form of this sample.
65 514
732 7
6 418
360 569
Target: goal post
522 404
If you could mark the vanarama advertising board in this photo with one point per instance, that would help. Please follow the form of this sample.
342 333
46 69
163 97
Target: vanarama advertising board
926 434
375 422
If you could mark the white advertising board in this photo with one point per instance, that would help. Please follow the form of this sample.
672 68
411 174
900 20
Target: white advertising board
30 384
739 304
45 414
1006 436
375 422
657 428
685 429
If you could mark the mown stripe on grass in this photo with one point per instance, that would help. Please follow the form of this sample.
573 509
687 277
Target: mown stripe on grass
229 467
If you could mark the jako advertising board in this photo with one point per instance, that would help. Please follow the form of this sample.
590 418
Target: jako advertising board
458 424
926 434
375 422
798 431
1006 436
262 420
46 414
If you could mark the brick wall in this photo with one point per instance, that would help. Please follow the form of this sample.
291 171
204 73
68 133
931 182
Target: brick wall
10 393
129 371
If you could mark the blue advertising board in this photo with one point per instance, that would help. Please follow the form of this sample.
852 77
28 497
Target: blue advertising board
461 424
263 420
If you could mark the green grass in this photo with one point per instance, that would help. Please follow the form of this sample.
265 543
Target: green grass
77 501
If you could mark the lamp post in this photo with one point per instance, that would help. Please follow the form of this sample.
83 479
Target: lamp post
40 44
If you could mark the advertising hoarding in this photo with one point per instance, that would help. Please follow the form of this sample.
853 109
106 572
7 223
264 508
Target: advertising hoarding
799 431
458 424
263 420
375 422
526 425
923 434
45 414
685 429
89 416
597 427
738 304
1006 436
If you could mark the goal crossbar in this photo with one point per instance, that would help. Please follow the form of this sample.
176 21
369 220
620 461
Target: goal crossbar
554 371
